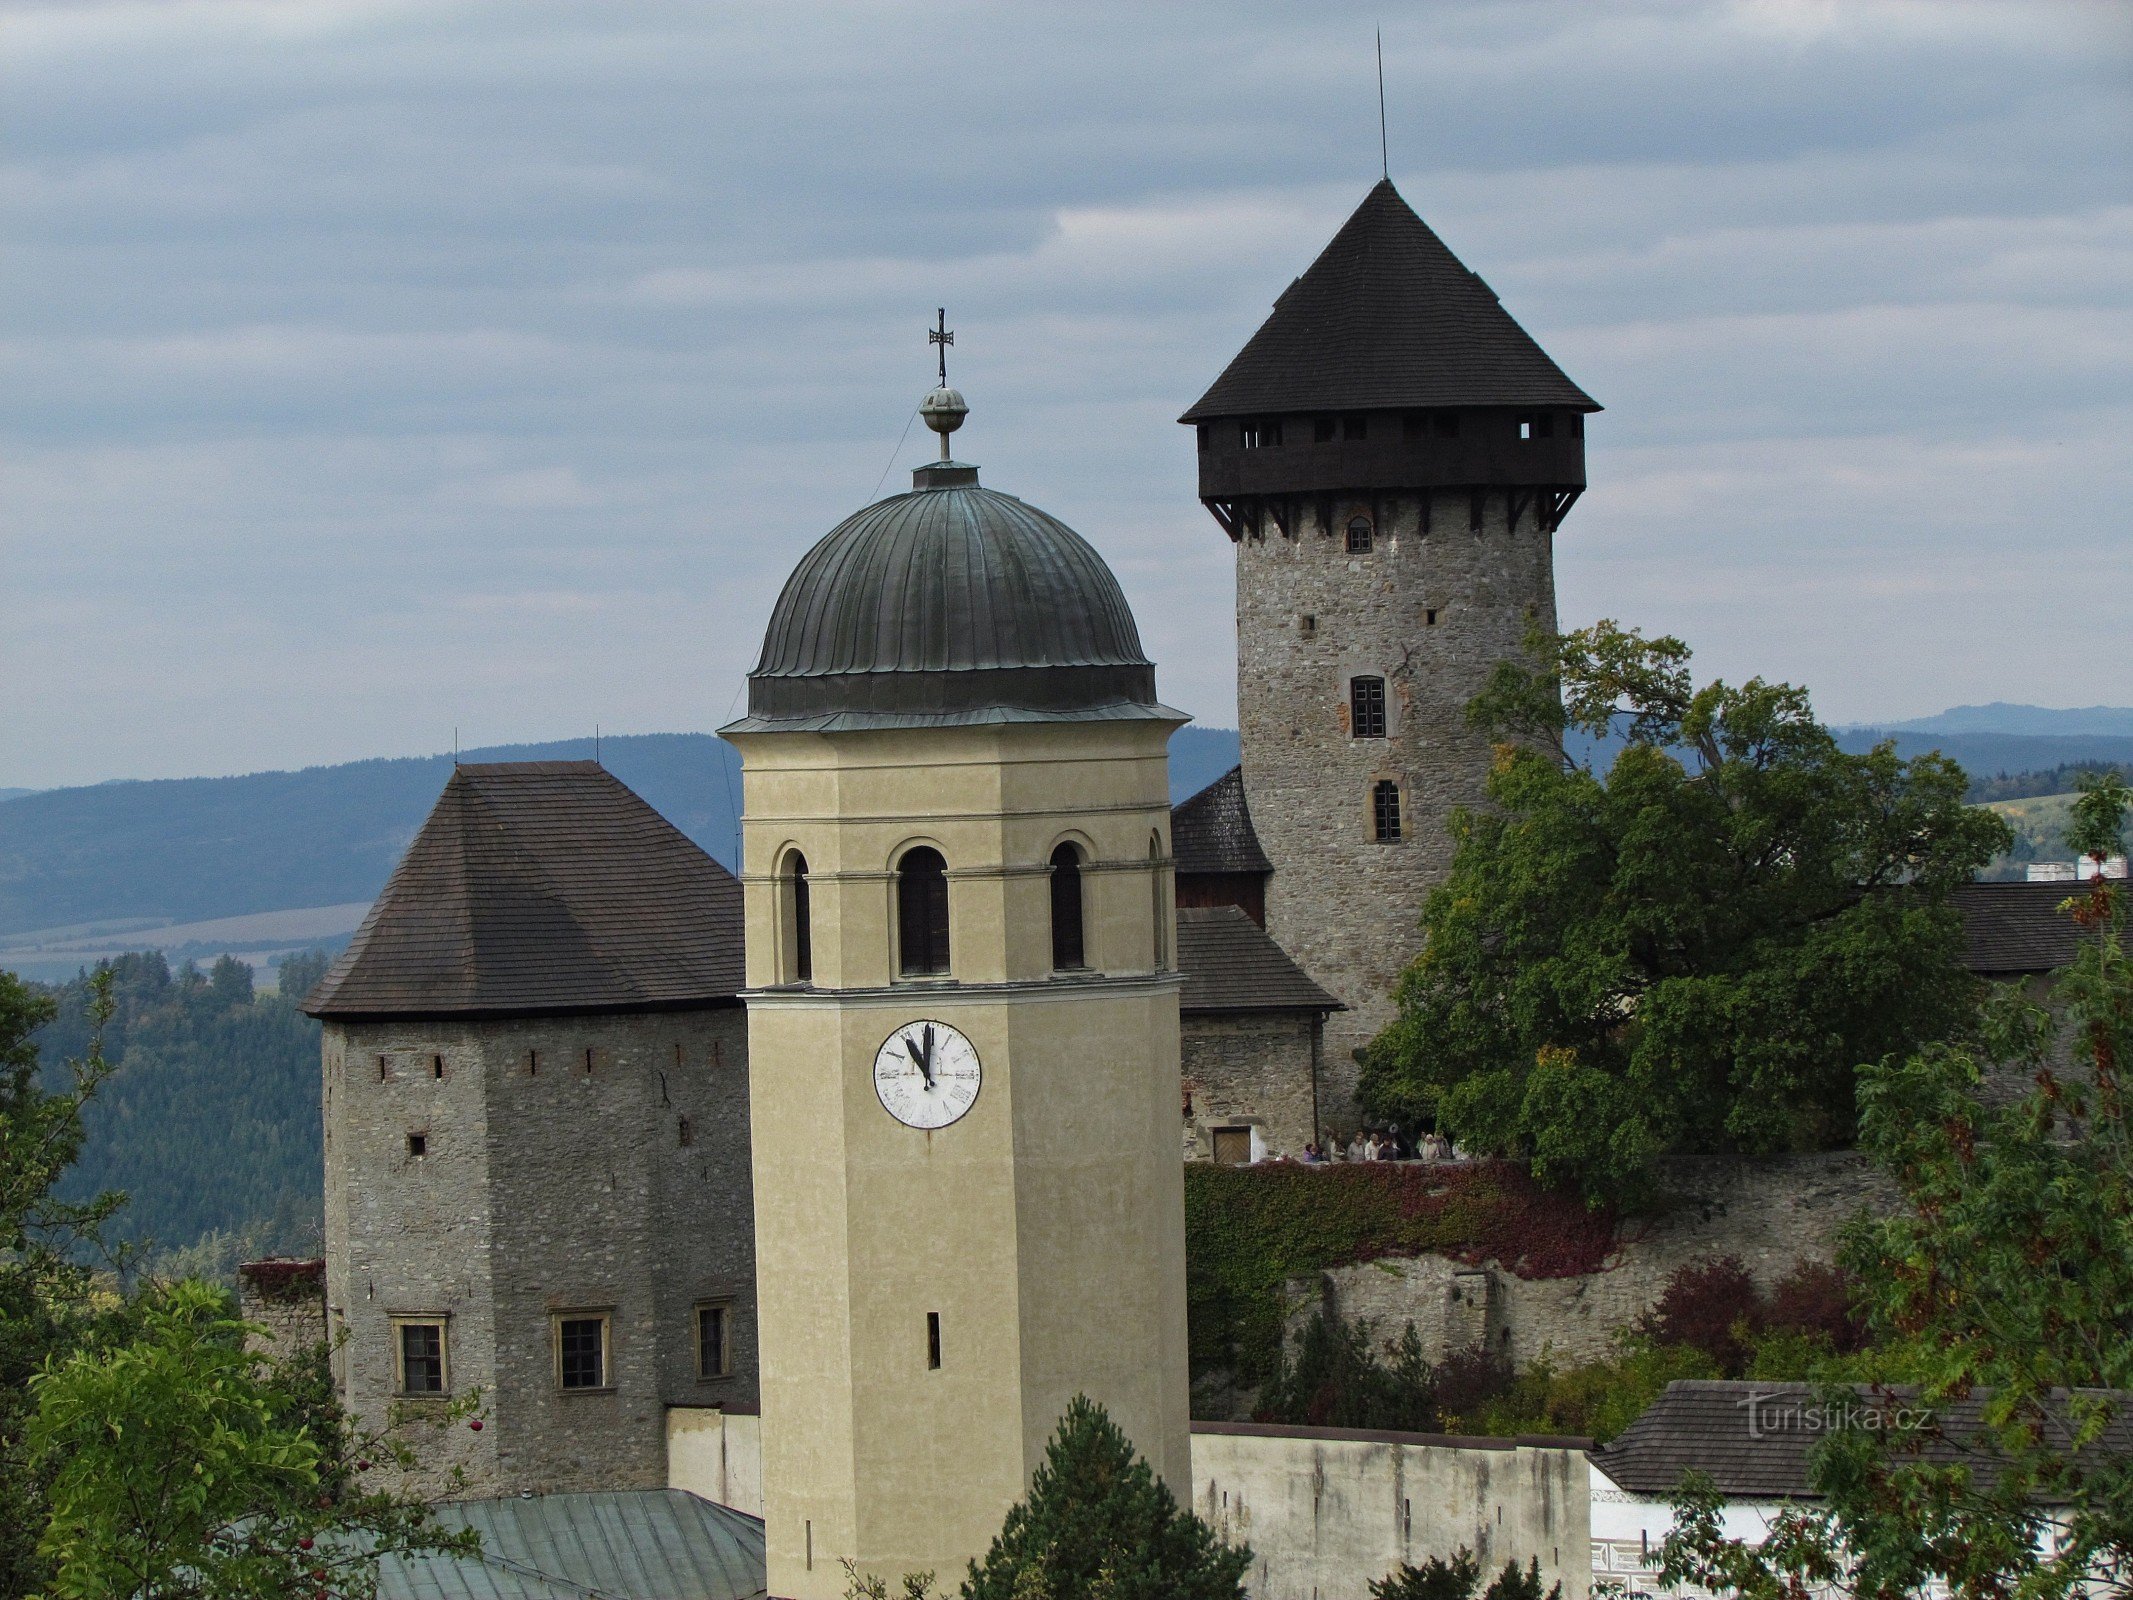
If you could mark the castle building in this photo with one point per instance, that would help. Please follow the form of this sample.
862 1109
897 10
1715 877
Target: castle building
1391 455
536 1135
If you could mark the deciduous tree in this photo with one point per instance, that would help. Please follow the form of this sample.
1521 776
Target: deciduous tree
1694 949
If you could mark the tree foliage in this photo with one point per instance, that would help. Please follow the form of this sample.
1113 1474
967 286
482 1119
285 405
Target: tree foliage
2008 1282
1458 1578
183 1466
1696 948
1098 1524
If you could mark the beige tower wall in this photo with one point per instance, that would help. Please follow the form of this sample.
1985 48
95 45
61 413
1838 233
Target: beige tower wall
1346 907
1045 1228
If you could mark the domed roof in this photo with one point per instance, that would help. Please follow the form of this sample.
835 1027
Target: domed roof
950 604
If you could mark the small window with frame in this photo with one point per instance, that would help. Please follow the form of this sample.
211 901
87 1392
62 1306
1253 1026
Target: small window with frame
420 1357
1361 535
1366 708
582 1353
714 1339
1385 811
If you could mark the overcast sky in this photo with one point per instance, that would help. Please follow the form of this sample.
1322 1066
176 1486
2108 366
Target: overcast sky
378 366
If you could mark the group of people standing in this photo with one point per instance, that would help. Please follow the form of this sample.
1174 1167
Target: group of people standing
1371 1144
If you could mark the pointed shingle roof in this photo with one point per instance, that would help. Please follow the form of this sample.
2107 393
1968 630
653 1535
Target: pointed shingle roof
1387 318
541 886
1212 831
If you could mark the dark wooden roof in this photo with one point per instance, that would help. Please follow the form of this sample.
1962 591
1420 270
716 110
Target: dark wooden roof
1387 318
1212 831
2012 928
1705 1425
541 886
1230 964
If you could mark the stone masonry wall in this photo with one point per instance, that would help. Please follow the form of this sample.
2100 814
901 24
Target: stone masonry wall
1345 906
1770 1213
544 1186
1252 1069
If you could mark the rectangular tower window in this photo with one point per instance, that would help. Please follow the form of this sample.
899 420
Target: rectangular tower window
713 1357
933 1340
436 1066
1385 811
1429 616
1366 708
581 1350
419 1355
418 1144
1322 430
1354 427
1307 625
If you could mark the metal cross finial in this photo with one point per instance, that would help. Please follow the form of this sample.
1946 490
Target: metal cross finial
942 337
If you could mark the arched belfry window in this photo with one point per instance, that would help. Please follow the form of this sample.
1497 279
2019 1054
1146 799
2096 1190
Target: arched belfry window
1366 708
799 919
922 913
1359 536
1067 947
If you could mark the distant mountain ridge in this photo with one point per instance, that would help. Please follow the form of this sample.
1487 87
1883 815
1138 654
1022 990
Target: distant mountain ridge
2002 716
194 849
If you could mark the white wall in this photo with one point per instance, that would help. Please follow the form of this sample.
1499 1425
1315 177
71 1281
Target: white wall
1326 1511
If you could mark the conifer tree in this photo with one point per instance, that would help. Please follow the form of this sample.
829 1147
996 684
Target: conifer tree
1099 1525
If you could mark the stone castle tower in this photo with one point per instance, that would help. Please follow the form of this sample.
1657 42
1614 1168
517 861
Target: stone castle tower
536 1137
1391 455
963 1028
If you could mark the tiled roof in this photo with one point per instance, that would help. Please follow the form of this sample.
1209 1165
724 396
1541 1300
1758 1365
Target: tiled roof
1754 1439
1387 317
1212 831
1231 965
645 1544
541 886
2017 927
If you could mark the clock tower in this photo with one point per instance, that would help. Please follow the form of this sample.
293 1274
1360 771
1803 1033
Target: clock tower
963 1027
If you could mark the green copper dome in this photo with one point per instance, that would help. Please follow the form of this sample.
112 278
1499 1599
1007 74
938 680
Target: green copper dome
950 604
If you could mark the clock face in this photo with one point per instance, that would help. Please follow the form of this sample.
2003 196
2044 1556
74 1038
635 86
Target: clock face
926 1074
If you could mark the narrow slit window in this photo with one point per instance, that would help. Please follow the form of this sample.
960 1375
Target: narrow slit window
384 1071
1360 536
1155 896
533 1063
685 1131
1385 811
1067 950
1366 708
933 1340
436 1066
588 1061
922 913
1307 625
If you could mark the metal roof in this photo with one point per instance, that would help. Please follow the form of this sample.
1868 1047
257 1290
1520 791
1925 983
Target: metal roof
1387 318
950 604
541 886
1230 963
645 1544
1212 832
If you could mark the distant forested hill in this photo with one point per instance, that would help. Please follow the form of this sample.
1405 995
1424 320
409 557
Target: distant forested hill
186 849
211 1122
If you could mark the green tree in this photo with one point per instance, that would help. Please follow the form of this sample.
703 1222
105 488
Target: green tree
45 1245
182 1466
1099 1525
1693 950
1457 1579
2007 1286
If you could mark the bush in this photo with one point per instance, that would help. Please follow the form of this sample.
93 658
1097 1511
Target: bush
1594 1400
1712 1306
1818 1299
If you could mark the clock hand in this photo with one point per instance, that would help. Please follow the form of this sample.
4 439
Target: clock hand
925 1067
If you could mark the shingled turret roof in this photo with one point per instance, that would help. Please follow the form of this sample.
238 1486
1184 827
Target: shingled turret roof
541 886
1212 831
1387 318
